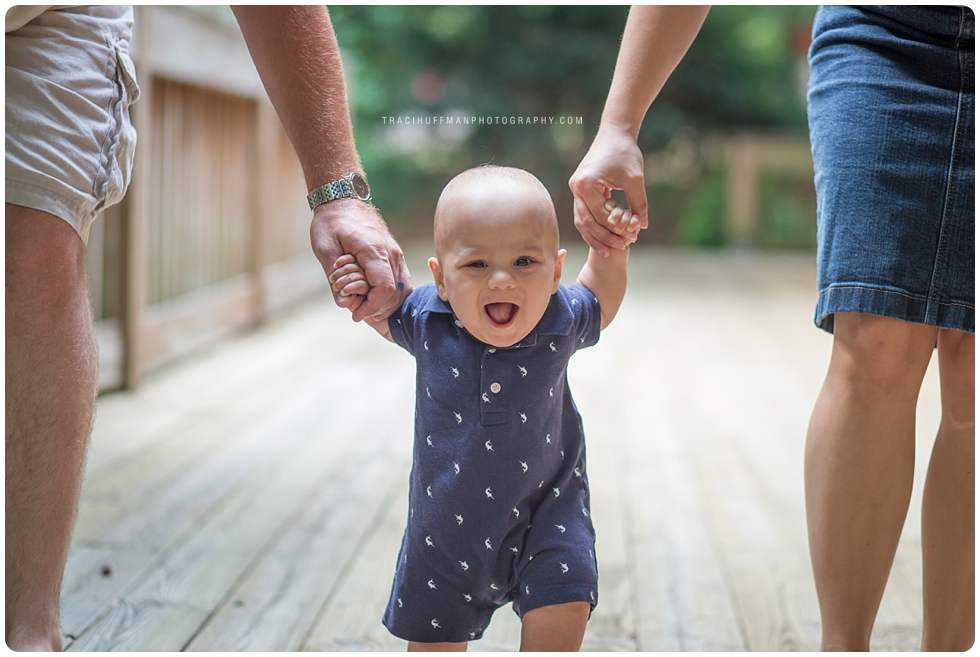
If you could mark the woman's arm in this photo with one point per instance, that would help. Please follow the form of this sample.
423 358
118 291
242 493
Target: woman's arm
654 41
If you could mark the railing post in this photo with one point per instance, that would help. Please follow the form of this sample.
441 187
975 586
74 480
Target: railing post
134 213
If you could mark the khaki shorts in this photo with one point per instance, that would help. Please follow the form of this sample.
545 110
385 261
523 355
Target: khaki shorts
69 84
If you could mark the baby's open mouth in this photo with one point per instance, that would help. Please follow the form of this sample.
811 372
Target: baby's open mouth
501 314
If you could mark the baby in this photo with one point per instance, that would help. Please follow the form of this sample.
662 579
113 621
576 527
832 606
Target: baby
499 499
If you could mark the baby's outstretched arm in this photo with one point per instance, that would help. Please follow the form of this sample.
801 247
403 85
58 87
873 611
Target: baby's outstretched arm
606 277
349 279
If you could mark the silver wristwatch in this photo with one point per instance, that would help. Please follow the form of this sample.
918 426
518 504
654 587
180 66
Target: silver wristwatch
352 185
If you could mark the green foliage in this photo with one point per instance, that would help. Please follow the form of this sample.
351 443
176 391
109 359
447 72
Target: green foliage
787 215
543 61
740 71
703 220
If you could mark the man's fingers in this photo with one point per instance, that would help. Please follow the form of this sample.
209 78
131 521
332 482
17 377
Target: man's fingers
384 291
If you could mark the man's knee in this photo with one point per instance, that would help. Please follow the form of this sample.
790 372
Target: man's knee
881 353
45 261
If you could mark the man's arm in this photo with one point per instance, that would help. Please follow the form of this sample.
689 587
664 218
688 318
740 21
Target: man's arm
606 277
296 54
654 41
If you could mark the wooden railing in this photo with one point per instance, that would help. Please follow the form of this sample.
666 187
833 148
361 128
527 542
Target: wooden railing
214 232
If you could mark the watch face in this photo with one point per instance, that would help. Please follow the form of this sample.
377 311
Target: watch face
360 187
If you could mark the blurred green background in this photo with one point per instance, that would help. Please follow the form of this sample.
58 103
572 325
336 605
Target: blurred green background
744 77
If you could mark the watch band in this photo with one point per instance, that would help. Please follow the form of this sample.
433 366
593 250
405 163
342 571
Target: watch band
332 190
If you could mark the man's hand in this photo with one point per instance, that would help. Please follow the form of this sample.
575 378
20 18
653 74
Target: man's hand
614 161
354 227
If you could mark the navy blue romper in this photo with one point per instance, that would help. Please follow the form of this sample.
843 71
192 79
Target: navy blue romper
498 499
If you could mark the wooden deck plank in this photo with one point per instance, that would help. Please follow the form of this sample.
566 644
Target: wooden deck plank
351 616
272 472
611 627
200 570
275 606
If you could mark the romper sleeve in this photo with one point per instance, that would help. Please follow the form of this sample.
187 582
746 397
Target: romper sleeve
403 324
586 315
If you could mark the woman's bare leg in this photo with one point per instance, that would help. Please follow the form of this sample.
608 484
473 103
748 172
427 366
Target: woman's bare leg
860 452
948 505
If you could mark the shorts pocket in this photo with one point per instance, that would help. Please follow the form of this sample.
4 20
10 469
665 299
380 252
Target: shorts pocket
122 149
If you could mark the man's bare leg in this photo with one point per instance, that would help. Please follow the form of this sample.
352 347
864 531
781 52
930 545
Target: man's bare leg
52 381
860 451
555 628
948 539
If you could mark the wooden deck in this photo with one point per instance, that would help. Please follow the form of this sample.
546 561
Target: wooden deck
253 497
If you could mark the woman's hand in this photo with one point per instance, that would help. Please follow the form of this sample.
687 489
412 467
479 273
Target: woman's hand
614 161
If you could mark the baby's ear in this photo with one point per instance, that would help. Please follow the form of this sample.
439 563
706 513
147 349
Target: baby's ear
558 266
438 277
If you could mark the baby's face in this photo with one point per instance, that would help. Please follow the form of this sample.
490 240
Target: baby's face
497 262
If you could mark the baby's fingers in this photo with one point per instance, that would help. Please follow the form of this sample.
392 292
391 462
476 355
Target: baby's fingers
619 218
345 272
344 277
358 287
345 259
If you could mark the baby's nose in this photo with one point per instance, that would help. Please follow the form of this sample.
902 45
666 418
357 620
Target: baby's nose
502 279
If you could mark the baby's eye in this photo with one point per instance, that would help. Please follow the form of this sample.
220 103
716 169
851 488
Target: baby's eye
522 262
478 264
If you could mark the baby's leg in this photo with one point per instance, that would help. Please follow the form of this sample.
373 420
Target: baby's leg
436 647
555 628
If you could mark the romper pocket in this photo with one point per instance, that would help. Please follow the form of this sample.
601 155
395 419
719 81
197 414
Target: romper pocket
119 160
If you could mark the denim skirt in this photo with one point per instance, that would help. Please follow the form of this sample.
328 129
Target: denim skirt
891 113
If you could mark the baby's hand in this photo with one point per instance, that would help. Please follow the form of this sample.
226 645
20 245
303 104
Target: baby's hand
621 221
349 280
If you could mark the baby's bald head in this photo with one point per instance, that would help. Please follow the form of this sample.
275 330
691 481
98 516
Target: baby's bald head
488 191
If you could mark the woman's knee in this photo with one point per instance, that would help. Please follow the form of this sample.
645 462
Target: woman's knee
956 376
881 353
